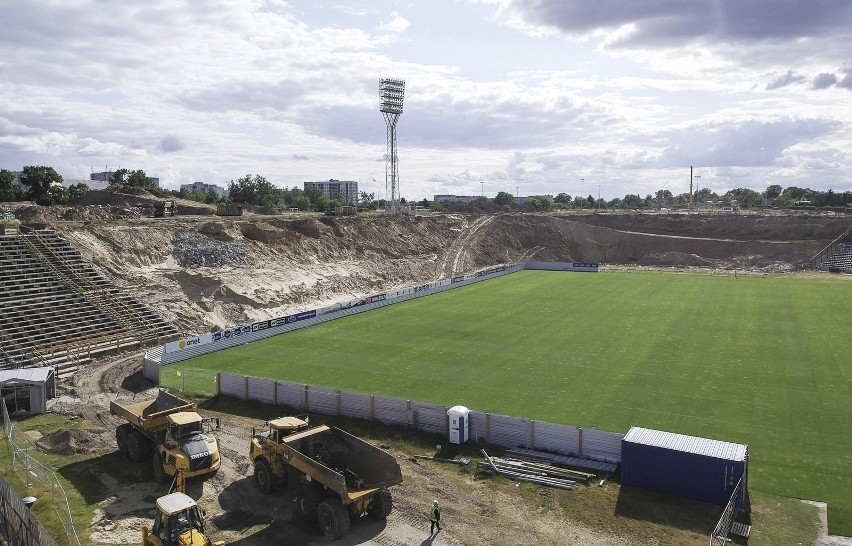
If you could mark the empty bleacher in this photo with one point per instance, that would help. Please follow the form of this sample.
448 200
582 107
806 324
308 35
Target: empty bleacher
56 310
840 259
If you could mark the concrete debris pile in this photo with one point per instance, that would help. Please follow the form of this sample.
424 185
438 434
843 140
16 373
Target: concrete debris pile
197 250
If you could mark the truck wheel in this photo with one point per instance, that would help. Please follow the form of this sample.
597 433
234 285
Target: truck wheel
382 504
263 476
138 446
121 433
160 475
333 518
309 500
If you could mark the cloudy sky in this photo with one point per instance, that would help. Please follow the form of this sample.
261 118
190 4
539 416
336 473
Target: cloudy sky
524 96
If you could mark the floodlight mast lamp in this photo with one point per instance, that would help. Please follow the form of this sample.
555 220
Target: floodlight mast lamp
391 92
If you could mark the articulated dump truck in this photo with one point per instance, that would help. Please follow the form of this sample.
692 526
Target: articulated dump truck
335 475
171 430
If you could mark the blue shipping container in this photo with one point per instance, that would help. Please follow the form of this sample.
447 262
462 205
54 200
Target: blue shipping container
697 468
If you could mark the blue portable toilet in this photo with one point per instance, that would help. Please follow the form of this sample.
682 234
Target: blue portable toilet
459 419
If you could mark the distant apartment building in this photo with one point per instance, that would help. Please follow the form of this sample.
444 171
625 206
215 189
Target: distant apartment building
345 191
106 176
204 188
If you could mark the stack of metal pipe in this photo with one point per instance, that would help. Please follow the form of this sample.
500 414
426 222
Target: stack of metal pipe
550 476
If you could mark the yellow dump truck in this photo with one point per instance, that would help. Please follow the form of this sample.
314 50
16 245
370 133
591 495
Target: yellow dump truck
170 429
335 475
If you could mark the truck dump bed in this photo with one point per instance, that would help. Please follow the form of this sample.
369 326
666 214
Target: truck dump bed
343 462
151 415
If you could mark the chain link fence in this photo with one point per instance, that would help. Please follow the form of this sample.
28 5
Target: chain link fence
17 524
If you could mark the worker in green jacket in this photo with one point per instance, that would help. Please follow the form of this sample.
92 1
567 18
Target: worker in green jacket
434 517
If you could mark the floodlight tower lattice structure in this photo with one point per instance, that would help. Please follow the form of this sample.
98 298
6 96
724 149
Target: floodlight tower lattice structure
391 92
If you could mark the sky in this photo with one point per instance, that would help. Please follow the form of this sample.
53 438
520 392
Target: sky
530 97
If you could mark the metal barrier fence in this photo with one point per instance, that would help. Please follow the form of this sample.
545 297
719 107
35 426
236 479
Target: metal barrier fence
719 536
17 524
501 430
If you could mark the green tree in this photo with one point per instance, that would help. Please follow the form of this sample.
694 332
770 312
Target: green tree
664 197
138 179
744 197
75 191
300 201
632 202
211 197
8 190
366 199
312 193
38 180
119 177
504 198
772 192
267 193
563 198
55 195
254 191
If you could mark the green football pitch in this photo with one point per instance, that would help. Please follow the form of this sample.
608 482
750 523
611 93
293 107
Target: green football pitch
763 361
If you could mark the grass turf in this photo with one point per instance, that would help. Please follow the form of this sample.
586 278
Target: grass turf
757 360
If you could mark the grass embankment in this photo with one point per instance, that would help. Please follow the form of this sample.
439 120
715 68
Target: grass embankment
755 360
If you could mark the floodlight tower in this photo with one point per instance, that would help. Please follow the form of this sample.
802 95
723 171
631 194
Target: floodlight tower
391 91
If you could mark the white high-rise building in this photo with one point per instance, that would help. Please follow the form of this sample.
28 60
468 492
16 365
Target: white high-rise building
345 191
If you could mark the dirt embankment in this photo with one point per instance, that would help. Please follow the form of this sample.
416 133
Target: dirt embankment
204 272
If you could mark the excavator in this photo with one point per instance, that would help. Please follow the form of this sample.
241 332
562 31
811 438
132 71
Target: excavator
179 521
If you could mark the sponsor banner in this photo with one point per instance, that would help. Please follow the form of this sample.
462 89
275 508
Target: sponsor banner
280 321
263 325
175 346
377 297
300 316
585 265
458 279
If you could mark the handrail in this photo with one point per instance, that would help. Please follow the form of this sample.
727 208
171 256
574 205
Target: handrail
101 299
818 257
115 308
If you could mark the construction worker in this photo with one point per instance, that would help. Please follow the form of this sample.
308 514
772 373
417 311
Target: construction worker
434 517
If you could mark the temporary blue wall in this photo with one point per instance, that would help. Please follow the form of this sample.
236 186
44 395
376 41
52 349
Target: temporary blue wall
691 475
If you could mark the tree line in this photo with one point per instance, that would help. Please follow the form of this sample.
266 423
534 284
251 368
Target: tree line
43 185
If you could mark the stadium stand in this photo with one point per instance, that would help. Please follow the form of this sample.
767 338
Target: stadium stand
56 310
840 259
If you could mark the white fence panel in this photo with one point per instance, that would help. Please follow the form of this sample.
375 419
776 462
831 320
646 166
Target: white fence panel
476 425
232 385
261 390
322 400
292 395
429 417
356 404
555 438
599 445
390 411
508 431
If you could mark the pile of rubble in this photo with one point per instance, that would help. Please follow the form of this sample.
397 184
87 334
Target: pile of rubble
198 250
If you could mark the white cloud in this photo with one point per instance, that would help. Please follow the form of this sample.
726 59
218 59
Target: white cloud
395 23
499 94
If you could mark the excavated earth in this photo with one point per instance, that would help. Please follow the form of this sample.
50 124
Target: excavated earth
202 272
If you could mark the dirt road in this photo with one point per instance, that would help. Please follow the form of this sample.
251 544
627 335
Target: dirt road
476 513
